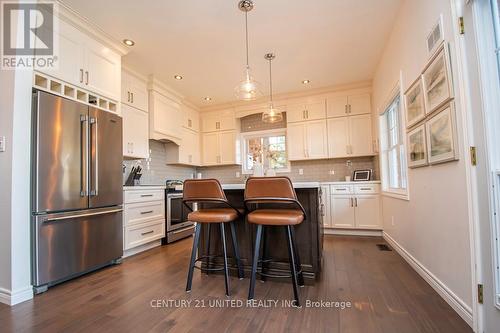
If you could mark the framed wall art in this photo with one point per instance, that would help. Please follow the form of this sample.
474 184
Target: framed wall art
437 81
414 103
441 135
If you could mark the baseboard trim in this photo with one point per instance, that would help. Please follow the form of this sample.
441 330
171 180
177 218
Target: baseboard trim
352 232
13 298
141 248
453 300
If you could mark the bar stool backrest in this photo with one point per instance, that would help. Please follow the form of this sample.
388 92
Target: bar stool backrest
269 189
197 190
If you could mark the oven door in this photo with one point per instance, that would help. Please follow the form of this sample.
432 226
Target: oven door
177 213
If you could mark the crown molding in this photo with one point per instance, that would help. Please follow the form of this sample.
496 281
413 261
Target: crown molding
135 73
282 98
83 24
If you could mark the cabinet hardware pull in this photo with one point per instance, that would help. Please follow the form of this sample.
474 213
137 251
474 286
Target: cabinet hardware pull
81 75
341 189
128 96
365 189
147 232
356 201
146 195
86 77
147 212
352 205
132 98
346 108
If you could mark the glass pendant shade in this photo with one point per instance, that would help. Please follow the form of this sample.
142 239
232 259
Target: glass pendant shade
248 89
272 115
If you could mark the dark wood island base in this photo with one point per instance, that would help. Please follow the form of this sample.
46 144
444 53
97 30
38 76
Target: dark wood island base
309 238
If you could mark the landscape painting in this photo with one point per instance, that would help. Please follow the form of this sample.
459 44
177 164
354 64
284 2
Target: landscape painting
436 81
441 136
414 104
417 148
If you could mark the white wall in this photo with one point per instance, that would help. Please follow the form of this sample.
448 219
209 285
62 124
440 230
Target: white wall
433 226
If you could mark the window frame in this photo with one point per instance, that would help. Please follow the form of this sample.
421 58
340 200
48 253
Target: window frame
400 192
245 136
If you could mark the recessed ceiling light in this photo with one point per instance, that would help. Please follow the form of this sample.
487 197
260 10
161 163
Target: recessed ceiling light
177 77
128 42
208 98
306 81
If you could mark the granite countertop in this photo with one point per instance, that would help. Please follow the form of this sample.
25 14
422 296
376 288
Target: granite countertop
295 185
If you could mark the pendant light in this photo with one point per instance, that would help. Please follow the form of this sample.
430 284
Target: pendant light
271 114
248 89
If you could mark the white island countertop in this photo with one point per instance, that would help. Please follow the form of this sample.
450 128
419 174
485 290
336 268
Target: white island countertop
351 182
295 185
143 187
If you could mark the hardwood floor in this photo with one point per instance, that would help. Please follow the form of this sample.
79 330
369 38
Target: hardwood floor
386 296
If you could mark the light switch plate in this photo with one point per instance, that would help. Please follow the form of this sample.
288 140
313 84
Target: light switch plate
237 174
301 171
2 143
331 172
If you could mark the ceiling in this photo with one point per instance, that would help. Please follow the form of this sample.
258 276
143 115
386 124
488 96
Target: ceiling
329 42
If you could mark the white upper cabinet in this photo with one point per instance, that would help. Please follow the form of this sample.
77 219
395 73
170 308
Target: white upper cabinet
135 133
134 91
344 105
223 120
210 148
350 136
191 119
164 118
86 63
307 140
220 148
305 112
188 152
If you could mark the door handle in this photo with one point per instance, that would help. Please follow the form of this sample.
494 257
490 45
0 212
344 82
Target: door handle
146 195
147 232
86 77
146 212
94 138
84 144
128 96
132 97
356 202
81 75
352 204
83 215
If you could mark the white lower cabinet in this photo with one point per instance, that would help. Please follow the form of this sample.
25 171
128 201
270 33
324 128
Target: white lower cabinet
354 206
143 217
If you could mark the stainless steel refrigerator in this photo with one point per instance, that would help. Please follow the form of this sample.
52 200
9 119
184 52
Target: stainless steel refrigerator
76 189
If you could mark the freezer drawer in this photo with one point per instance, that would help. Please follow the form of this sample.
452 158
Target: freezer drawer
73 243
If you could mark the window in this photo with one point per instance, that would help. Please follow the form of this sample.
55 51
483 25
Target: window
394 177
266 147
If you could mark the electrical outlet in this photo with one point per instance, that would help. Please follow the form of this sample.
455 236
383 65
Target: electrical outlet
331 172
392 221
301 171
2 143
237 174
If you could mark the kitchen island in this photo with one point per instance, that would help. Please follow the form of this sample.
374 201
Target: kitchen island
309 236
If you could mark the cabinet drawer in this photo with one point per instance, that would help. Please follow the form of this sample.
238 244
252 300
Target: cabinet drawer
143 196
137 213
341 189
366 188
143 234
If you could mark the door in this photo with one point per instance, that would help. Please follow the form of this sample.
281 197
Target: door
138 93
72 243
106 158
210 148
367 212
135 132
336 106
166 116
61 150
360 135
189 148
342 211
295 113
227 147
315 111
296 141
317 141
359 104
102 70
338 137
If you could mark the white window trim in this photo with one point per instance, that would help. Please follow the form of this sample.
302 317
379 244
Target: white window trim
402 194
257 134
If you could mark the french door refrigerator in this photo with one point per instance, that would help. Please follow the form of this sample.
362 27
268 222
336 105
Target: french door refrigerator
76 189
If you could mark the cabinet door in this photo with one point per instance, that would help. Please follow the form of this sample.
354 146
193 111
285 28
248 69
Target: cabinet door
227 123
70 61
295 113
317 141
135 132
367 212
209 123
325 205
315 111
296 141
166 116
210 148
227 147
342 210
359 104
360 135
338 137
138 93
336 106
125 99
102 70
189 148
191 119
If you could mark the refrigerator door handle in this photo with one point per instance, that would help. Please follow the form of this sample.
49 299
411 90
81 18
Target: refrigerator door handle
67 217
84 144
95 161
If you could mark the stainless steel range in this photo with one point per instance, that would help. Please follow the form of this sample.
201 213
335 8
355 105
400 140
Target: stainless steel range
176 213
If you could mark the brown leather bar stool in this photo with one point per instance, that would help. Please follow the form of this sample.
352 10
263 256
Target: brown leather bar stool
203 191
272 190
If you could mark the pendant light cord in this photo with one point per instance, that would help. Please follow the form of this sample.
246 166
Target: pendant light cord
246 34
271 82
